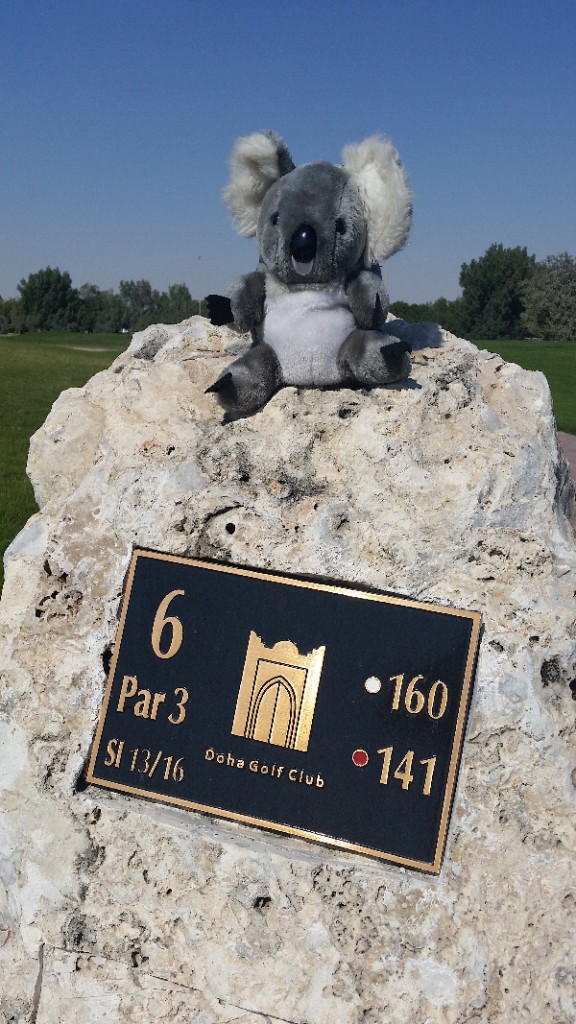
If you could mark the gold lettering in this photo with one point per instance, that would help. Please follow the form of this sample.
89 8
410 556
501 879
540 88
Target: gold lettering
114 750
404 770
155 765
142 707
161 620
159 698
240 764
414 699
430 763
319 781
399 683
209 755
253 766
127 691
292 774
387 751
145 762
438 687
180 705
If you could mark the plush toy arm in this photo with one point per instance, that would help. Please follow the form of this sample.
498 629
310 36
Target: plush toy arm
368 299
247 300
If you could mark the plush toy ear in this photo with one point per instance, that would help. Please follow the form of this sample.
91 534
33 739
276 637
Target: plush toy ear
375 167
257 161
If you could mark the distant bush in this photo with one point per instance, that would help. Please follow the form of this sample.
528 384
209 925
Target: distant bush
448 313
48 302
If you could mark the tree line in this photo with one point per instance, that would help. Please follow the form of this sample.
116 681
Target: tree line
506 293
48 302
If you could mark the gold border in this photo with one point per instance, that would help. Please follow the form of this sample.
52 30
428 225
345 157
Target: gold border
346 591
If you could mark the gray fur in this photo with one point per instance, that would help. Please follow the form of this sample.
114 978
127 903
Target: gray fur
247 300
371 358
317 226
316 194
250 381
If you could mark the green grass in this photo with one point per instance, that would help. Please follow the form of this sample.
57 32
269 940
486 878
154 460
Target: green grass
34 369
557 360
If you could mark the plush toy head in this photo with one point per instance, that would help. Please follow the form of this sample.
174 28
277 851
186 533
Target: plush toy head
316 223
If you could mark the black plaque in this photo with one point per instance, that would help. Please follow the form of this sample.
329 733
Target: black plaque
326 712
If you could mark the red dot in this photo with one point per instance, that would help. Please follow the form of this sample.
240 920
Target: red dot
360 758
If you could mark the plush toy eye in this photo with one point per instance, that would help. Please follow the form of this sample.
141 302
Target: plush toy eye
274 218
341 226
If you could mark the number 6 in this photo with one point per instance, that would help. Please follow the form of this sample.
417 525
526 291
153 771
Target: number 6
161 620
414 699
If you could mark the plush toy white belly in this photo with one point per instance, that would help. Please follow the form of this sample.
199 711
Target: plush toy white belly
306 330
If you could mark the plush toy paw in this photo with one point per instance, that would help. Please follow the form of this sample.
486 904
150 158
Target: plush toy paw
372 358
249 382
219 310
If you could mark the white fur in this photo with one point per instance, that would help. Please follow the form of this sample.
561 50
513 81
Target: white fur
375 167
306 329
254 167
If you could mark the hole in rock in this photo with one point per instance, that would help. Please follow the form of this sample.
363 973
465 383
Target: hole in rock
261 902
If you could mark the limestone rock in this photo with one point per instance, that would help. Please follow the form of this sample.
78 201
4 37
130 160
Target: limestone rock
449 487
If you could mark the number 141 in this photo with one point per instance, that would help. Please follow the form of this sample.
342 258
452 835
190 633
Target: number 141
404 770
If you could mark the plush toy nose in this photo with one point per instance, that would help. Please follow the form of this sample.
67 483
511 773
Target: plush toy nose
303 244
303 249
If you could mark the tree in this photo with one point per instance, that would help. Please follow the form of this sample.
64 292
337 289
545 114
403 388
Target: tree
140 303
550 299
110 314
89 300
493 290
48 301
176 304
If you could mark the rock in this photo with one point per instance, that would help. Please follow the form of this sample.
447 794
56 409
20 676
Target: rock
449 487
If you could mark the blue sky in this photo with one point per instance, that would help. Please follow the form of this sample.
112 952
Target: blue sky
117 118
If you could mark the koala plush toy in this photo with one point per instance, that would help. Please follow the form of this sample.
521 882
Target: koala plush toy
316 306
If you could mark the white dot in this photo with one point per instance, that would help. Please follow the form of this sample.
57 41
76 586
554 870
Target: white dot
373 684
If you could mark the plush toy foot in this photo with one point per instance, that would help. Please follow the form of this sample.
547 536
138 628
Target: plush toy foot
371 358
249 382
